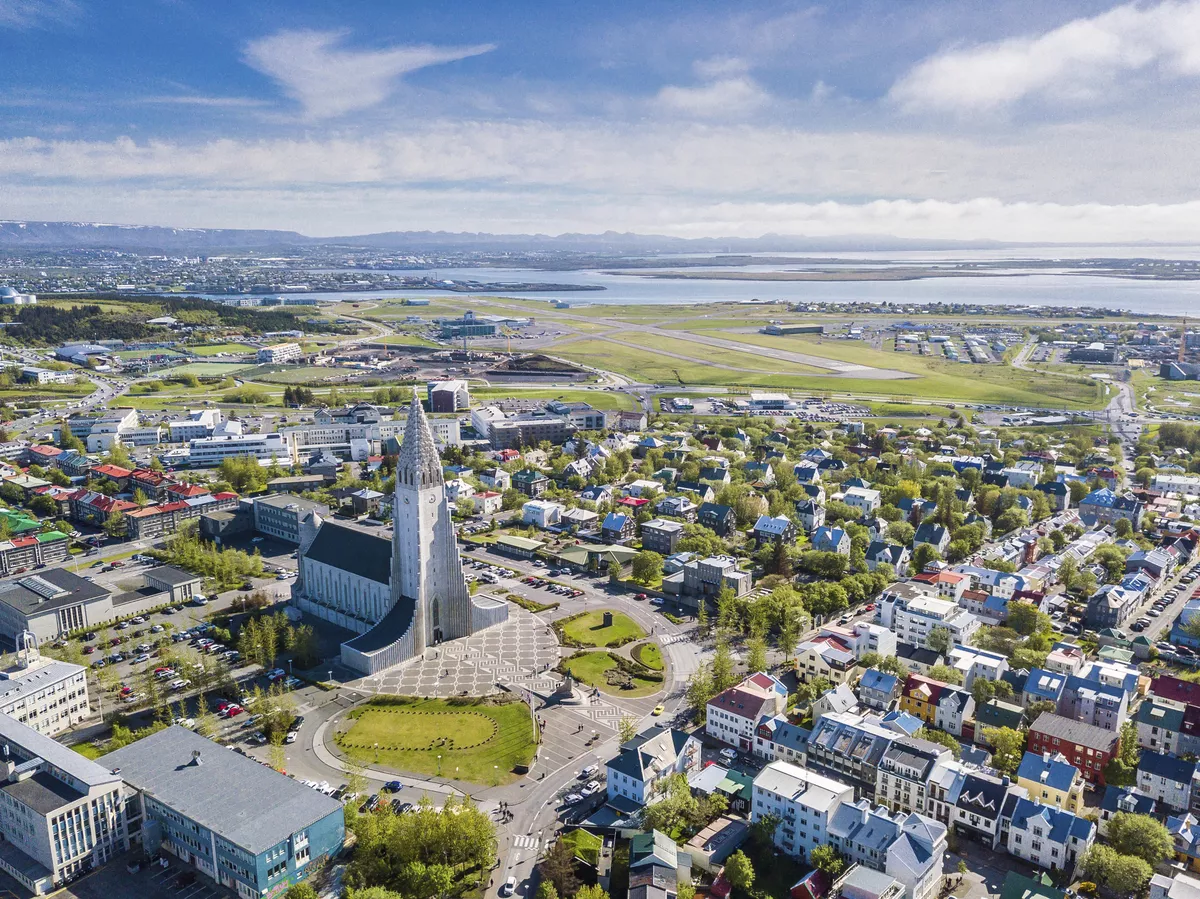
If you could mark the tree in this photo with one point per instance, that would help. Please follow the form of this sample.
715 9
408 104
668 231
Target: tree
826 858
722 669
685 889
1141 836
627 728
739 872
558 867
591 891
546 890
1023 618
941 738
940 640
1008 748
756 654
702 615
948 675
300 891
647 567
700 690
1129 875
116 525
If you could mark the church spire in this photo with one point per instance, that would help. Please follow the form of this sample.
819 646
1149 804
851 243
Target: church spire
419 464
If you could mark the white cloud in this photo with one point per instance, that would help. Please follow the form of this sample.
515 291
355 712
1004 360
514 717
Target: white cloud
330 80
199 100
724 97
1080 61
720 67
1053 184
34 13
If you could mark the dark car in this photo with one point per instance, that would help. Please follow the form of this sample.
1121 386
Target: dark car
393 786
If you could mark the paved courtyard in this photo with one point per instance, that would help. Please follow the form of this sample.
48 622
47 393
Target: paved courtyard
519 652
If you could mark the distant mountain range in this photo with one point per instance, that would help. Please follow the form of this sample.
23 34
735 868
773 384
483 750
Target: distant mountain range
90 235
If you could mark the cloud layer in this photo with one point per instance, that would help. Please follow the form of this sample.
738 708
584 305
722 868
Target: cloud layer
329 79
1080 61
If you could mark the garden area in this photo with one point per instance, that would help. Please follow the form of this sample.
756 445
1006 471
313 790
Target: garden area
590 629
611 673
482 741
649 655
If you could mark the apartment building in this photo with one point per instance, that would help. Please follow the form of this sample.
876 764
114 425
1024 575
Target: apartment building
803 801
60 814
208 452
279 353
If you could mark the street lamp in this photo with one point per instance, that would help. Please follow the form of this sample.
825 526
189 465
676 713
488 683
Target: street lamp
377 753
439 765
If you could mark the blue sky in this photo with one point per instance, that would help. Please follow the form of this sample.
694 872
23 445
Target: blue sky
1012 120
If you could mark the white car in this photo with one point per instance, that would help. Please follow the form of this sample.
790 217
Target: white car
730 755
588 771
508 887
572 798
189 723
291 737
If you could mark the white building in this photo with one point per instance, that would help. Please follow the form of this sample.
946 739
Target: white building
46 695
280 352
110 427
907 846
35 375
448 396
864 499
199 423
802 800
207 452
1189 485
647 759
10 297
732 715
458 489
972 663
542 513
1049 837
60 813
912 614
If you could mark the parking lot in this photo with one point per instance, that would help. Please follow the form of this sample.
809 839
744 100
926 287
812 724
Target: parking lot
176 881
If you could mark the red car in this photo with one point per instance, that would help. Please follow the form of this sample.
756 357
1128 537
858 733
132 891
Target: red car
88 650
230 711
115 641
869 607
125 691
161 670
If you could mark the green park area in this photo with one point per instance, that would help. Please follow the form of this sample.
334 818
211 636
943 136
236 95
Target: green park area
589 629
649 655
213 349
611 674
210 369
404 340
480 741
600 399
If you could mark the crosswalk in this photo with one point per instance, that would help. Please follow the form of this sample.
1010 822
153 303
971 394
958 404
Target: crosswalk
522 841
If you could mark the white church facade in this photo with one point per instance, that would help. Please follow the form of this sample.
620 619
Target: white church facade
399 595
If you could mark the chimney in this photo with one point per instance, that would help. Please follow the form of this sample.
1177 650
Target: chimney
197 761
1046 756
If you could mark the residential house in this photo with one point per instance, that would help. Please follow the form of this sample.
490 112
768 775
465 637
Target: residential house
878 689
905 770
802 800
913 613
1167 779
1052 780
972 663
889 557
848 746
643 762
933 534
978 803
810 514
1050 837
907 847
864 499
827 539
542 513
617 527
825 656
778 738
732 716
777 529
1104 506
661 536
717 518
495 479
1086 746
531 482
677 507
1129 800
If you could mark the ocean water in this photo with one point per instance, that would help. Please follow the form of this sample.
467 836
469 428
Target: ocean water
1062 287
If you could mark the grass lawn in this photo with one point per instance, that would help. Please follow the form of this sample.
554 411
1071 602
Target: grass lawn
404 340
88 750
600 399
649 655
589 629
590 667
298 374
471 736
144 354
210 369
212 349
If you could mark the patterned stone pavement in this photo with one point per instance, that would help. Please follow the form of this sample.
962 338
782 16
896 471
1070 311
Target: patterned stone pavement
516 652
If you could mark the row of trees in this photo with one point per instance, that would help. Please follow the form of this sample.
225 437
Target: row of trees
423 853
263 637
225 566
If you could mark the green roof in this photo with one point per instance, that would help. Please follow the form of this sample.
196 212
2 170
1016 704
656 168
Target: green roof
737 784
19 522
1017 886
657 846
52 537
